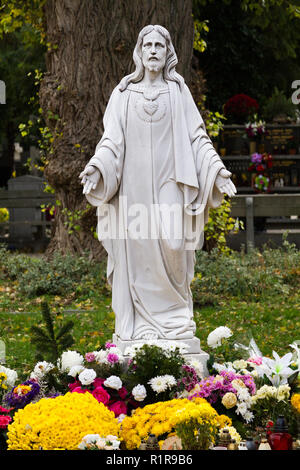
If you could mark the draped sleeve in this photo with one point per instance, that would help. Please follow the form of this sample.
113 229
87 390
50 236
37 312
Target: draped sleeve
109 153
207 161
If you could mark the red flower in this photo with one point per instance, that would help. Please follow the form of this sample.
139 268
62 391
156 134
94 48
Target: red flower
123 393
119 407
4 421
241 106
74 385
101 395
5 410
260 168
98 382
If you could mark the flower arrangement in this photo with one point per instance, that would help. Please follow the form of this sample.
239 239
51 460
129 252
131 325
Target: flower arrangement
269 402
110 392
98 401
22 394
60 423
162 369
255 129
240 107
260 164
228 393
162 418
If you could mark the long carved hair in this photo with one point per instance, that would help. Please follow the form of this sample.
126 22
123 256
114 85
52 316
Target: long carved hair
169 72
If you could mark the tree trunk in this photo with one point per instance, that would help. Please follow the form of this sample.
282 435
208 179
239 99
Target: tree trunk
90 51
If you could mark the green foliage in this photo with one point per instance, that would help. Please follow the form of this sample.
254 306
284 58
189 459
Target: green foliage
279 105
214 123
200 28
219 225
252 46
52 340
153 361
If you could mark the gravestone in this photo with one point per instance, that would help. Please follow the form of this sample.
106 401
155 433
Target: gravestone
20 230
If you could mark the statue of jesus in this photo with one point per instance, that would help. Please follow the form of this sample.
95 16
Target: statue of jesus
154 152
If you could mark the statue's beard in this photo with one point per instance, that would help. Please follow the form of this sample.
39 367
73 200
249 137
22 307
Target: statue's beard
154 65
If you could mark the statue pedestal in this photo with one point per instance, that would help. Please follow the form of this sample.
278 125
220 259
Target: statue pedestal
194 350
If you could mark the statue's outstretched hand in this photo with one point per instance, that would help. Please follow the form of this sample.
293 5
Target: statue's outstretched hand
224 183
90 177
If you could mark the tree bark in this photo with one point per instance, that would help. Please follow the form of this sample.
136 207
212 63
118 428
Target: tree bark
91 46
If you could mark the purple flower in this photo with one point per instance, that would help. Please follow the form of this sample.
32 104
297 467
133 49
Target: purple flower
90 357
21 395
109 345
112 358
256 158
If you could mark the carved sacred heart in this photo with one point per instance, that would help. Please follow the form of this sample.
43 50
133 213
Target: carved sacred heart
150 107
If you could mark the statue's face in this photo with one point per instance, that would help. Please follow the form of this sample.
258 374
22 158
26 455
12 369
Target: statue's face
154 51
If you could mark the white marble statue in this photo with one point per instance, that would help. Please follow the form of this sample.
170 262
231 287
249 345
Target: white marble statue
154 152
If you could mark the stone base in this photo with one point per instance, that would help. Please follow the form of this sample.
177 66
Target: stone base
193 345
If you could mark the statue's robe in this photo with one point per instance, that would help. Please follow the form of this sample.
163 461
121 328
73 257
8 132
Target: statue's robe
153 151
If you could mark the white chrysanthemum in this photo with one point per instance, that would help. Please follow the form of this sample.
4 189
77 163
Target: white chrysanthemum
161 383
244 395
11 376
41 369
87 376
69 359
158 384
113 382
139 392
214 338
241 408
75 370
248 416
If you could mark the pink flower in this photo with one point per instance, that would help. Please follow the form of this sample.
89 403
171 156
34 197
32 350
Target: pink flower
112 358
256 360
101 395
90 357
119 407
80 390
109 345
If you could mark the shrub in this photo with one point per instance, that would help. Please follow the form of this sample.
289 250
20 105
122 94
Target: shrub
61 275
255 274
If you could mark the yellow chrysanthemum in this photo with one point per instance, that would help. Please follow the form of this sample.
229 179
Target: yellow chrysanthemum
161 418
60 423
295 401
